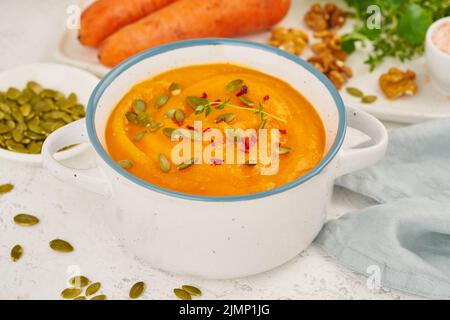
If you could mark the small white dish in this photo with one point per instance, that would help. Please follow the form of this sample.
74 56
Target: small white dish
438 61
55 76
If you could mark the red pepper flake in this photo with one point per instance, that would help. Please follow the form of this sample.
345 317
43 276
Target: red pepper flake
206 130
204 95
247 144
216 162
242 91
266 98
283 131
218 100
190 127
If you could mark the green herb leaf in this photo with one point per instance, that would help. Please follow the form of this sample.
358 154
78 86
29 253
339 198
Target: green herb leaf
194 102
413 24
247 101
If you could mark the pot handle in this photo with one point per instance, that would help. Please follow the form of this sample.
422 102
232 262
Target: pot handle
364 156
70 134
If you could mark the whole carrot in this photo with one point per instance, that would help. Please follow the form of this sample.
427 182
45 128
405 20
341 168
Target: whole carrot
104 17
187 19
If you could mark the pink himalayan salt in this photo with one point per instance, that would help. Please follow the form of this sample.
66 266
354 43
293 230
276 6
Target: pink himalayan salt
441 37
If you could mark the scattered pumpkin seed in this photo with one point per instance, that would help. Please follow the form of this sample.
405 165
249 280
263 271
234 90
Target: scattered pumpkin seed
99 297
193 291
126 164
25 220
186 164
355 92
61 246
5 188
161 101
164 163
369 99
139 106
234 85
179 116
80 298
175 89
182 294
79 281
227 117
284 150
93 288
247 101
16 252
70 293
137 290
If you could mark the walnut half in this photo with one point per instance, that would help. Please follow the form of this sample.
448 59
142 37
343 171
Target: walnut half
396 83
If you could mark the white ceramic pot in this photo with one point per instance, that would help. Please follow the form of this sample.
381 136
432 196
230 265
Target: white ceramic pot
217 237
438 61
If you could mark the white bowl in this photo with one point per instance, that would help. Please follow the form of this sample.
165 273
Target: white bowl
438 61
55 76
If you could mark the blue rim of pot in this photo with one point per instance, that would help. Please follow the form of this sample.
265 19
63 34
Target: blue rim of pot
114 73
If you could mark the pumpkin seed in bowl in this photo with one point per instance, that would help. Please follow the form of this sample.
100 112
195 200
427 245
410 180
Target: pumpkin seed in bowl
28 116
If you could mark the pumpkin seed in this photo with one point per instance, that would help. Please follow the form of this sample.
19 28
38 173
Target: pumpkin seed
70 293
139 106
247 101
195 102
227 117
164 163
170 113
284 150
168 132
34 87
143 119
61 246
80 298
179 116
182 294
161 101
26 220
13 93
369 99
25 109
99 297
234 85
137 290
126 164
355 92
16 252
175 89
131 116
192 290
5 188
186 164
139 136
93 288
79 281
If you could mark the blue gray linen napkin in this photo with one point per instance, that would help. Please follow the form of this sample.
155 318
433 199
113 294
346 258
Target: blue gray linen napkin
407 235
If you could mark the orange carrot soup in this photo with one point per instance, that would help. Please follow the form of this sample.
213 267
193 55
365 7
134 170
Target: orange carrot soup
200 130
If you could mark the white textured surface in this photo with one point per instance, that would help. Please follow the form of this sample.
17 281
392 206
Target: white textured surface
28 33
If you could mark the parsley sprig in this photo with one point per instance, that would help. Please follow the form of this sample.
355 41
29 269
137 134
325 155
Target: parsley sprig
203 105
402 31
